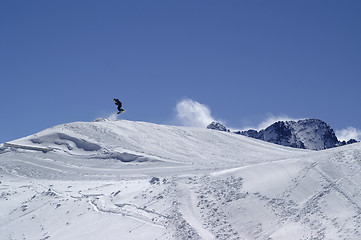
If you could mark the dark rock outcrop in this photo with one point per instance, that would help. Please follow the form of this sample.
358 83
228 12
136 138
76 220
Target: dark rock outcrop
218 126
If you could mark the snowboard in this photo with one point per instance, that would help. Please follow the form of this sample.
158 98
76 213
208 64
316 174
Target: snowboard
121 111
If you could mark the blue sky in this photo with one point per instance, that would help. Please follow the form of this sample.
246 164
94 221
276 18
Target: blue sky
244 61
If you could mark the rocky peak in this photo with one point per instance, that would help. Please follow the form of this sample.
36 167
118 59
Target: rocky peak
312 134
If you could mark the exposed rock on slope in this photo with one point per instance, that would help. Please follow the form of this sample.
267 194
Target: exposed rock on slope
217 126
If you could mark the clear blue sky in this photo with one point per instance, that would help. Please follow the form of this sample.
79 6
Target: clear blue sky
65 61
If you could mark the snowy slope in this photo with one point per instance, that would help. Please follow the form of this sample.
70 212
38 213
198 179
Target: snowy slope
137 180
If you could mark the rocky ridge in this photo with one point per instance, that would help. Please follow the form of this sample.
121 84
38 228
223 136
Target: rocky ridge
311 134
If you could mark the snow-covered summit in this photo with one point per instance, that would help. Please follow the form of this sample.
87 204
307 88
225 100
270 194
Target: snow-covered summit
141 141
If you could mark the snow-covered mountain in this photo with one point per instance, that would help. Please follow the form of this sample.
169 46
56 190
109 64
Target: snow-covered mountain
307 134
137 180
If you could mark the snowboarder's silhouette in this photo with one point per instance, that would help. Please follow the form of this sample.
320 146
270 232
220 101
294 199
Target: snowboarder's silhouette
119 104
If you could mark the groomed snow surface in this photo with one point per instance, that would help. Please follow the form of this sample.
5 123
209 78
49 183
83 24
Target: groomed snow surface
135 180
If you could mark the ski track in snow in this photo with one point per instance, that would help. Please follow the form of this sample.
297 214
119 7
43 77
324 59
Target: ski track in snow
133 180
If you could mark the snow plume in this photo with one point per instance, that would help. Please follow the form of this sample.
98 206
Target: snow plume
348 133
272 119
112 117
193 114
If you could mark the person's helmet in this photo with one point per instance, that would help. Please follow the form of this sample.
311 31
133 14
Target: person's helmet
115 99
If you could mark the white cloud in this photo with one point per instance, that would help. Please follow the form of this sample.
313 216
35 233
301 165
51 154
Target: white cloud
348 133
272 119
193 114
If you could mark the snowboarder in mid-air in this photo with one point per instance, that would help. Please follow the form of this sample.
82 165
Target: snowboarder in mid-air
119 104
